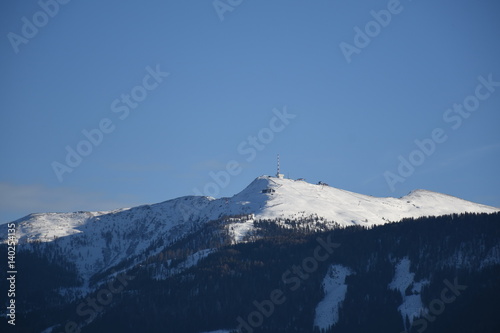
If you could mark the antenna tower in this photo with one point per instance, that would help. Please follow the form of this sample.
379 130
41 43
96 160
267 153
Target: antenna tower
278 165
278 174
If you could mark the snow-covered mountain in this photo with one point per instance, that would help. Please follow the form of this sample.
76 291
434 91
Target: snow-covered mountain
95 241
177 240
266 198
293 198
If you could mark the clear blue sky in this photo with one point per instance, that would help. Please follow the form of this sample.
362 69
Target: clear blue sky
352 119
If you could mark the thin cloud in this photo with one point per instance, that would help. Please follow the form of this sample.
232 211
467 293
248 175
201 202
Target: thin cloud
18 200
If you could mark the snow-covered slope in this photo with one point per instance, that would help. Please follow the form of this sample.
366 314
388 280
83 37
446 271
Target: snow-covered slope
412 303
298 198
96 241
327 311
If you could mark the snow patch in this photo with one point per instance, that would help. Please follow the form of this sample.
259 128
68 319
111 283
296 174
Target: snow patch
239 230
492 258
49 330
327 311
403 279
190 261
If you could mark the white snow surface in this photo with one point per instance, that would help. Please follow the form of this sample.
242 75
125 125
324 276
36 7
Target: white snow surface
238 231
327 311
412 305
292 197
96 241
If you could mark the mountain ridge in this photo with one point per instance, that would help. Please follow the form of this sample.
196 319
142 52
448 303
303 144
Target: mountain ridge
285 198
